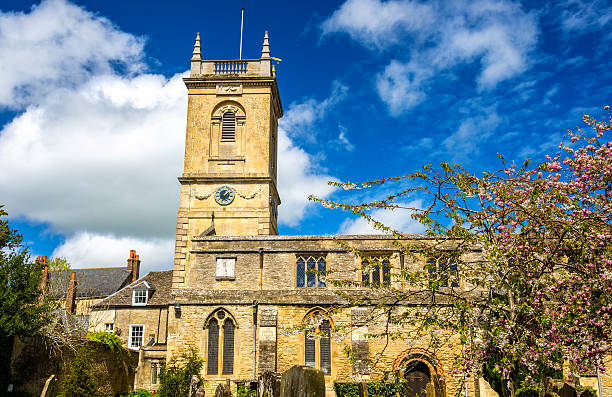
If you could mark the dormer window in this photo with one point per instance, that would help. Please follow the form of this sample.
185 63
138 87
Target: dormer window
139 297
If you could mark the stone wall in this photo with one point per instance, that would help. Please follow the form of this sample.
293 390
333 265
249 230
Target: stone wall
32 365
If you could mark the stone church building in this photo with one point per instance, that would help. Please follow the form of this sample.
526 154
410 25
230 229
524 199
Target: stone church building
246 298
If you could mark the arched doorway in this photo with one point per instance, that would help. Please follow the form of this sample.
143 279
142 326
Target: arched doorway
417 377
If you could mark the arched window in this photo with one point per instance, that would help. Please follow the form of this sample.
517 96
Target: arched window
370 273
310 272
221 334
317 342
228 126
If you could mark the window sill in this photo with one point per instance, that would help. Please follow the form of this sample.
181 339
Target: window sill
225 278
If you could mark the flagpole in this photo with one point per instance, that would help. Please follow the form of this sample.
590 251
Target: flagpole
241 26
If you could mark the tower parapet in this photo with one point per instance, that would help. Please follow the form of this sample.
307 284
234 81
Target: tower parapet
261 67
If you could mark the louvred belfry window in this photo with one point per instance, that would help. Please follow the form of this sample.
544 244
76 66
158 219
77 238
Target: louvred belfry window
221 333
228 126
317 343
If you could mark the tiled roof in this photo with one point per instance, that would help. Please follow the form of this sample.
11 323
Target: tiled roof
91 283
160 284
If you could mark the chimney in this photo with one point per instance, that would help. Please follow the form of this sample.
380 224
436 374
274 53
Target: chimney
71 294
133 265
41 261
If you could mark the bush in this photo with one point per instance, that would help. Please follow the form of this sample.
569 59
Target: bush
175 376
527 392
81 382
375 389
137 393
111 341
243 391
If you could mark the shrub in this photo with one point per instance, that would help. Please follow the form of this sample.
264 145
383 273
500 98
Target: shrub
243 391
111 341
137 393
175 376
81 382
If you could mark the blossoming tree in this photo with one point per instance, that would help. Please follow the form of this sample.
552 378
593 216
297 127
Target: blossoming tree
520 259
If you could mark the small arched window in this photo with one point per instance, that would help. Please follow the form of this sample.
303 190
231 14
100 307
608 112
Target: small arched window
228 127
221 333
317 343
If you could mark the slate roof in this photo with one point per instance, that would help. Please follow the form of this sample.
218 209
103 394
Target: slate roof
160 284
91 283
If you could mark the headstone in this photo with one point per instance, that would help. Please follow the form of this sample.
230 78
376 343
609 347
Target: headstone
223 390
269 384
567 391
194 389
302 381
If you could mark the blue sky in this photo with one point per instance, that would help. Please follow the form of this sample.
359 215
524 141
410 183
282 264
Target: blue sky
92 108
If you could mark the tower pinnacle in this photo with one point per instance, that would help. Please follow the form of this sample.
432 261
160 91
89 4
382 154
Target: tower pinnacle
265 50
197 51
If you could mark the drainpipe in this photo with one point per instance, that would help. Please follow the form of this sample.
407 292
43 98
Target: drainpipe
255 307
261 254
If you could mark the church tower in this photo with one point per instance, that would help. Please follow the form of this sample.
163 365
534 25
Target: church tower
228 186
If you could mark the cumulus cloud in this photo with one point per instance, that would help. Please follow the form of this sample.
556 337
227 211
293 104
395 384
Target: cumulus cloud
102 157
399 219
86 250
55 44
95 153
496 35
377 23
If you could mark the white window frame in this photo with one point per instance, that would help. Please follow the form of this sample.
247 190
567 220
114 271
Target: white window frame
146 297
109 327
132 326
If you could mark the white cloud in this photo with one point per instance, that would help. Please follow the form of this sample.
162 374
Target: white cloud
298 120
399 219
377 23
86 250
464 143
497 35
343 140
56 44
102 157
583 16
400 85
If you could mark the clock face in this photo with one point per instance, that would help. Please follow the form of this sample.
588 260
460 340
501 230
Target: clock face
224 195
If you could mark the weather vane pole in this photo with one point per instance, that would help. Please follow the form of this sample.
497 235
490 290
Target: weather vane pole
241 25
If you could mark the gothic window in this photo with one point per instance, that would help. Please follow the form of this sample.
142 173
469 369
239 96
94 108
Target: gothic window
444 273
371 271
221 333
317 342
310 272
228 126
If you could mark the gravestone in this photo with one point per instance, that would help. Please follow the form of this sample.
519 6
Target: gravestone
194 389
223 390
302 381
269 384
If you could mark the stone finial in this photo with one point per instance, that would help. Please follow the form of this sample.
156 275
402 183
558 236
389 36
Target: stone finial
265 50
197 50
